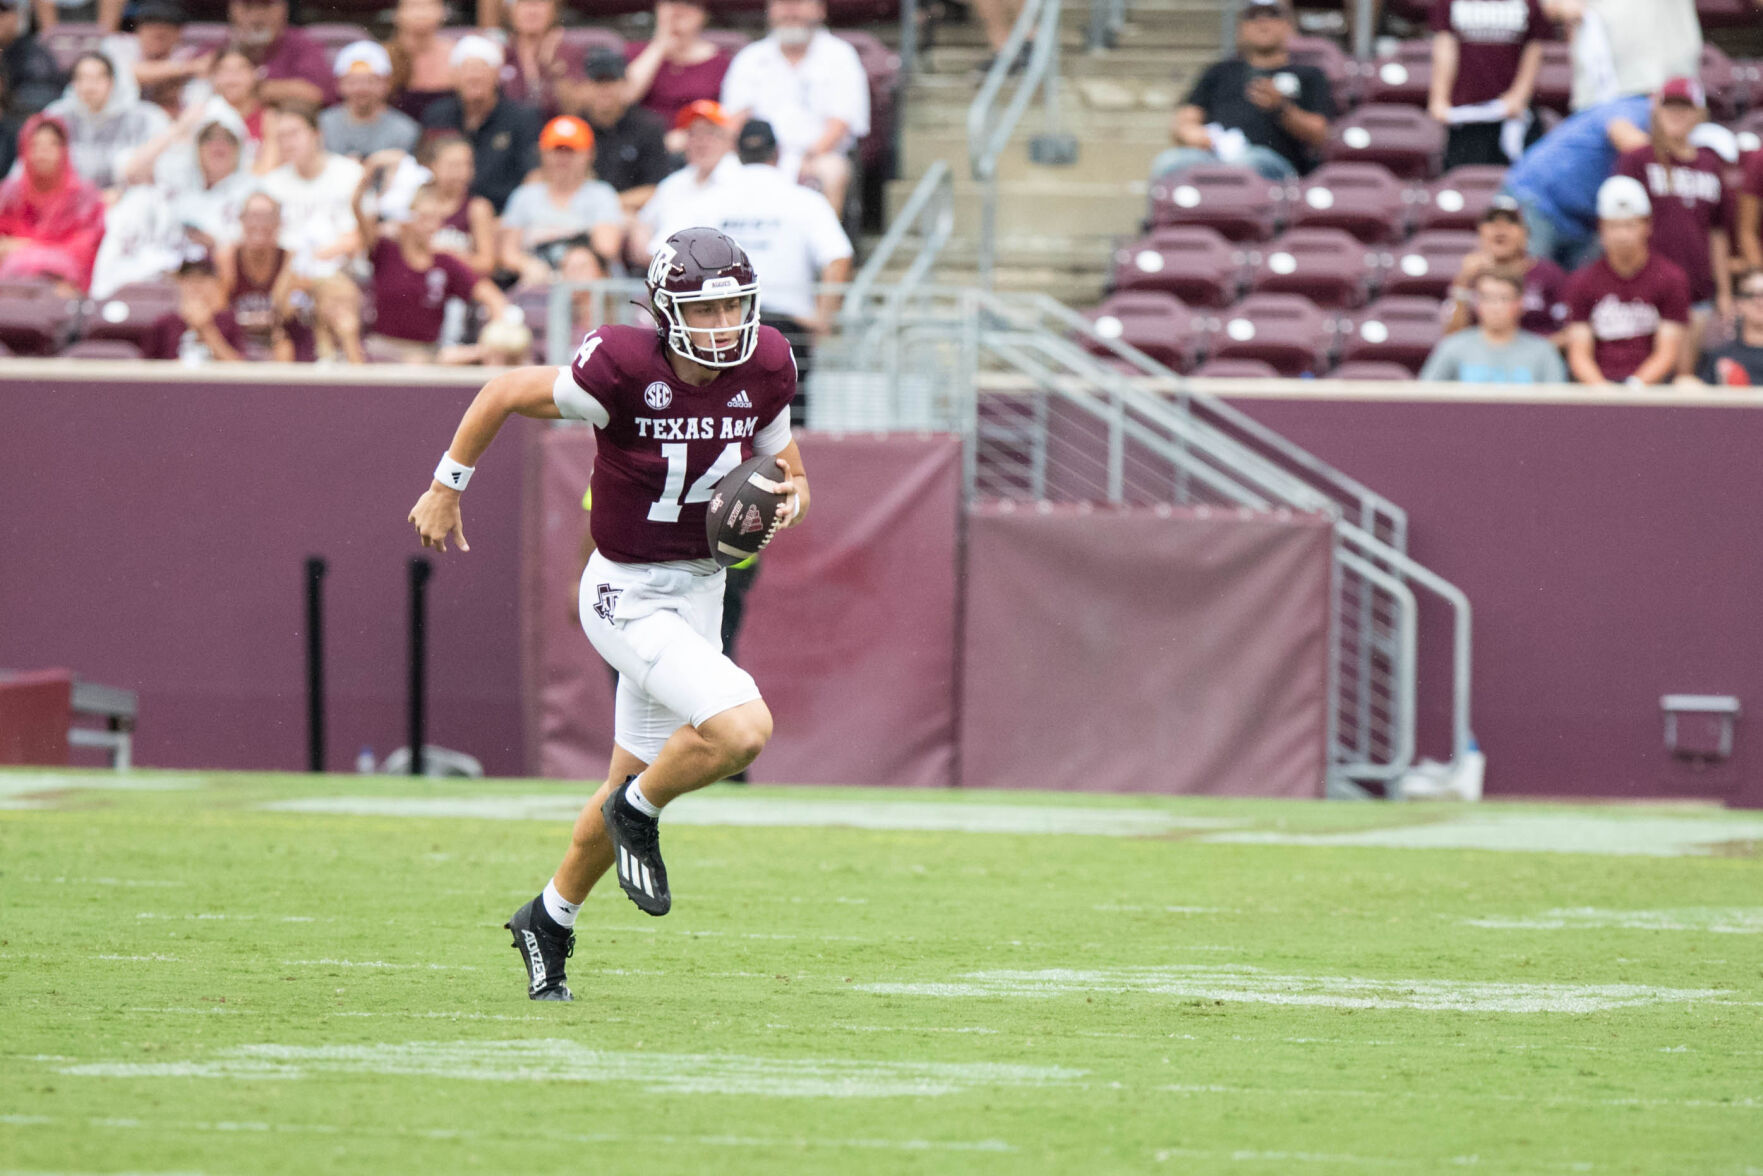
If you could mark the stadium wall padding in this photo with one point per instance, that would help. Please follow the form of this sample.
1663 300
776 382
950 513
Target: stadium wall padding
1145 650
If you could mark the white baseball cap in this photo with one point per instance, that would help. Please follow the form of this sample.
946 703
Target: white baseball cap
1623 198
363 56
472 47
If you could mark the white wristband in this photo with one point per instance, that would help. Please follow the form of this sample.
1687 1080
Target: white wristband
451 473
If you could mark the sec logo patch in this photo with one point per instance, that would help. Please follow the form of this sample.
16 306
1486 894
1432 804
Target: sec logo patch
658 395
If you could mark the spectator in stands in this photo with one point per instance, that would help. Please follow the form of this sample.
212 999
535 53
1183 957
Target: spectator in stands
106 14
412 280
290 64
565 224
710 164
1750 215
1626 47
1258 109
540 71
628 151
504 135
1496 351
263 299
362 123
996 19
1557 180
1485 58
811 87
422 56
679 67
1740 362
29 77
1629 309
234 80
105 128
468 224
793 239
51 219
152 63
1503 247
1686 185
314 188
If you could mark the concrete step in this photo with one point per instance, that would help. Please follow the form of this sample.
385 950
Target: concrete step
1098 157
1041 207
1146 119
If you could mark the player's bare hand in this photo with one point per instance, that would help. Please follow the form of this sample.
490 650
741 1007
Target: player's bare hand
795 492
437 518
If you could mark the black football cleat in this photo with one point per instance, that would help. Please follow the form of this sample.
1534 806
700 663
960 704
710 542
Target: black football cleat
636 848
542 949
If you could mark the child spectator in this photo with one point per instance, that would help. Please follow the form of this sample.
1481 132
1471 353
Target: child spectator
1496 351
1503 246
362 123
51 220
565 223
1630 308
1485 54
105 128
679 67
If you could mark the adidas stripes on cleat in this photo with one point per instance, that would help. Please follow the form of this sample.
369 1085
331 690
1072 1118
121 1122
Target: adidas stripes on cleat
543 946
636 847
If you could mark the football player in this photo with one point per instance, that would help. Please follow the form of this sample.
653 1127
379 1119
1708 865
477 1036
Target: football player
676 408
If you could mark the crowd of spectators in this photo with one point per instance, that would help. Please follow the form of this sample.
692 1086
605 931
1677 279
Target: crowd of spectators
383 200
1620 230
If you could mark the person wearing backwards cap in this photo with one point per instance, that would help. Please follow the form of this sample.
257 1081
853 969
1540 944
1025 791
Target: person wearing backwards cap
362 123
1503 244
710 165
1628 309
565 224
503 134
628 151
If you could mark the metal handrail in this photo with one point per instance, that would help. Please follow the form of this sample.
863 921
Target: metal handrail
988 136
933 203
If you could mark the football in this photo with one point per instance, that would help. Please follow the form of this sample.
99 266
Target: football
743 510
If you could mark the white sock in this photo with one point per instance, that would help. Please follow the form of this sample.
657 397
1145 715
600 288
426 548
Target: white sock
641 803
560 908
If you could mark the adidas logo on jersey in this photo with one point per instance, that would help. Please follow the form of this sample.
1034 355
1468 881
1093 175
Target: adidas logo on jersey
740 400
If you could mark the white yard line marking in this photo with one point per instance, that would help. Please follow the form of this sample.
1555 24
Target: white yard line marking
98 881
328 963
567 1061
1717 920
783 812
20 790
1256 986
1566 1100
1357 1163
1648 836
189 1011
156 958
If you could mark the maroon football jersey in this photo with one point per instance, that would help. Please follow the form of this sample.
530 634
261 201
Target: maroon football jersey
666 443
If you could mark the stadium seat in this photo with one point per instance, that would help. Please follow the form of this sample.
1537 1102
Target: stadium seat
34 319
206 36
1726 14
333 35
1236 201
67 40
1370 370
731 41
1728 88
1425 265
1193 262
1328 266
102 349
1399 330
1154 322
1402 138
1341 70
576 42
1235 369
597 11
1286 331
1457 199
1554 88
1362 198
1403 77
132 315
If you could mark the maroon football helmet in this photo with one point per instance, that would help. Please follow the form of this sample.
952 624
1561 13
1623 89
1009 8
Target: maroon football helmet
703 265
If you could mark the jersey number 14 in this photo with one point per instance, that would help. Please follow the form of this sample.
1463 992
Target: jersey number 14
666 508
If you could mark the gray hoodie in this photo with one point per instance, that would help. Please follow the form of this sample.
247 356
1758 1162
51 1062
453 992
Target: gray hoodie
100 143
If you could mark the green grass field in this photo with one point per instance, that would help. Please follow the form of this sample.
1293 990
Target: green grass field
267 974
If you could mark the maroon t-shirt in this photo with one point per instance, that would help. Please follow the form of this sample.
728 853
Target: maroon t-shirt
1690 200
1491 36
409 304
1545 285
677 86
1625 313
667 443
296 54
1754 175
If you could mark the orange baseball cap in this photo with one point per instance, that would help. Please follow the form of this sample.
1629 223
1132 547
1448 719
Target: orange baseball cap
572 134
703 108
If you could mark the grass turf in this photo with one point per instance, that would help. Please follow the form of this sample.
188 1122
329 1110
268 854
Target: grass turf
192 982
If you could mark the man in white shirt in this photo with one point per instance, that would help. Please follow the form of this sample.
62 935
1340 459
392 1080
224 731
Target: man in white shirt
791 236
810 86
710 164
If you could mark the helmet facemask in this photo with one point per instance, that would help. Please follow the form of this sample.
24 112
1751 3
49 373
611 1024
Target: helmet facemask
694 343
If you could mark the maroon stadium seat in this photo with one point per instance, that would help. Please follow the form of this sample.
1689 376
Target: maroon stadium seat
1403 77
1554 88
1726 14
333 35
1154 322
1427 263
1193 262
1457 199
67 40
731 41
1341 70
1394 330
1235 369
576 42
132 315
1364 369
1328 266
1287 331
1236 201
102 349
1728 88
34 319
1403 138
1362 198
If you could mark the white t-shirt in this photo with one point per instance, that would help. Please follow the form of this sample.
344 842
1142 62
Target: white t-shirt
1626 47
532 211
316 213
789 232
798 99
675 195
